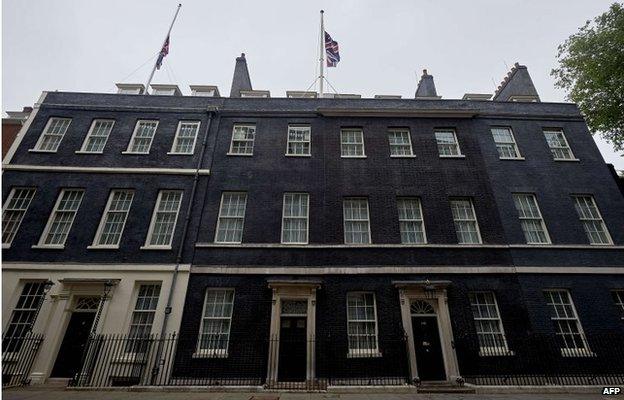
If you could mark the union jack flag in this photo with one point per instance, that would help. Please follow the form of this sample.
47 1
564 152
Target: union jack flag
163 52
331 51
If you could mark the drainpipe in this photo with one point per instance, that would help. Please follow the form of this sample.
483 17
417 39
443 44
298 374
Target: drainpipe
211 111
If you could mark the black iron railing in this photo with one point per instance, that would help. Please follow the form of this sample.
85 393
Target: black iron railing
540 359
119 360
18 356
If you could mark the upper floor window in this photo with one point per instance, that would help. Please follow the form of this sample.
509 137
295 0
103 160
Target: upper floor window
142 137
352 143
465 220
52 134
488 323
114 219
243 137
214 332
62 218
356 221
97 136
400 143
593 224
298 140
231 217
185 138
531 219
143 318
505 143
164 219
13 212
618 299
295 218
411 222
448 146
558 144
23 316
568 328
362 324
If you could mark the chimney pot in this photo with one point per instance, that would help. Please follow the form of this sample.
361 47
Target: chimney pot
424 72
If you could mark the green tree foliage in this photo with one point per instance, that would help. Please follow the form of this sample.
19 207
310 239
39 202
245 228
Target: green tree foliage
591 70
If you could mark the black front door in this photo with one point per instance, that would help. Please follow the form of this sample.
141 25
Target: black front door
428 350
292 349
70 354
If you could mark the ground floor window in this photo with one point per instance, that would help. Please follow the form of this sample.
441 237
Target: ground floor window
567 325
362 324
214 333
23 315
488 323
143 317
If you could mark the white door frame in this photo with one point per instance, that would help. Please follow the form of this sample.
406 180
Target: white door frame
435 293
284 289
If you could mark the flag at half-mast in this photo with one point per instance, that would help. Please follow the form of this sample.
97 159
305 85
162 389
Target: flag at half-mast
331 51
163 52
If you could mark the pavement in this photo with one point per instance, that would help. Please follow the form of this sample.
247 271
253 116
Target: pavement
33 393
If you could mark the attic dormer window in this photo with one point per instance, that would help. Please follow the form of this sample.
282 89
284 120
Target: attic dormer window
204 91
255 93
163 92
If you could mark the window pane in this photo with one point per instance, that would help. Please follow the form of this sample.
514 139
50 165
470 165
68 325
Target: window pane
165 218
411 223
143 318
143 135
361 323
558 145
243 137
23 316
184 141
356 222
447 143
15 208
231 217
98 135
295 218
298 140
53 134
216 320
400 143
62 217
505 143
531 220
351 142
591 219
566 323
488 323
465 221
114 218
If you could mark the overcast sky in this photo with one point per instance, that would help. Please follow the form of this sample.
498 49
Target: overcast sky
468 46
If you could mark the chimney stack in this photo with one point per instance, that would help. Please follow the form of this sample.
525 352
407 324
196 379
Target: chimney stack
241 80
426 87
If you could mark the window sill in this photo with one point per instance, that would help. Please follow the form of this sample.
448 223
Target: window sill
352 156
577 353
405 156
294 243
88 152
298 155
155 247
567 159
364 354
210 354
101 247
601 244
456 156
239 154
48 246
41 151
538 244
228 243
136 153
171 153
495 352
511 158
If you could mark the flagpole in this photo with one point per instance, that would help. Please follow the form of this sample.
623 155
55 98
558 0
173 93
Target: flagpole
149 80
322 56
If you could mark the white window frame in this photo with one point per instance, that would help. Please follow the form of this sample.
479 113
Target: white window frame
20 326
565 142
23 211
51 218
344 219
150 232
253 141
134 133
45 133
141 339
83 148
618 299
103 220
456 143
366 353
176 139
401 131
342 143
420 221
568 351
475 220
289 141
600 220
485 351
513 143
541 219
306 218
219 217
214 353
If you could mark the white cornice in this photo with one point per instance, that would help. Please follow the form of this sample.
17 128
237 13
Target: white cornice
104 170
